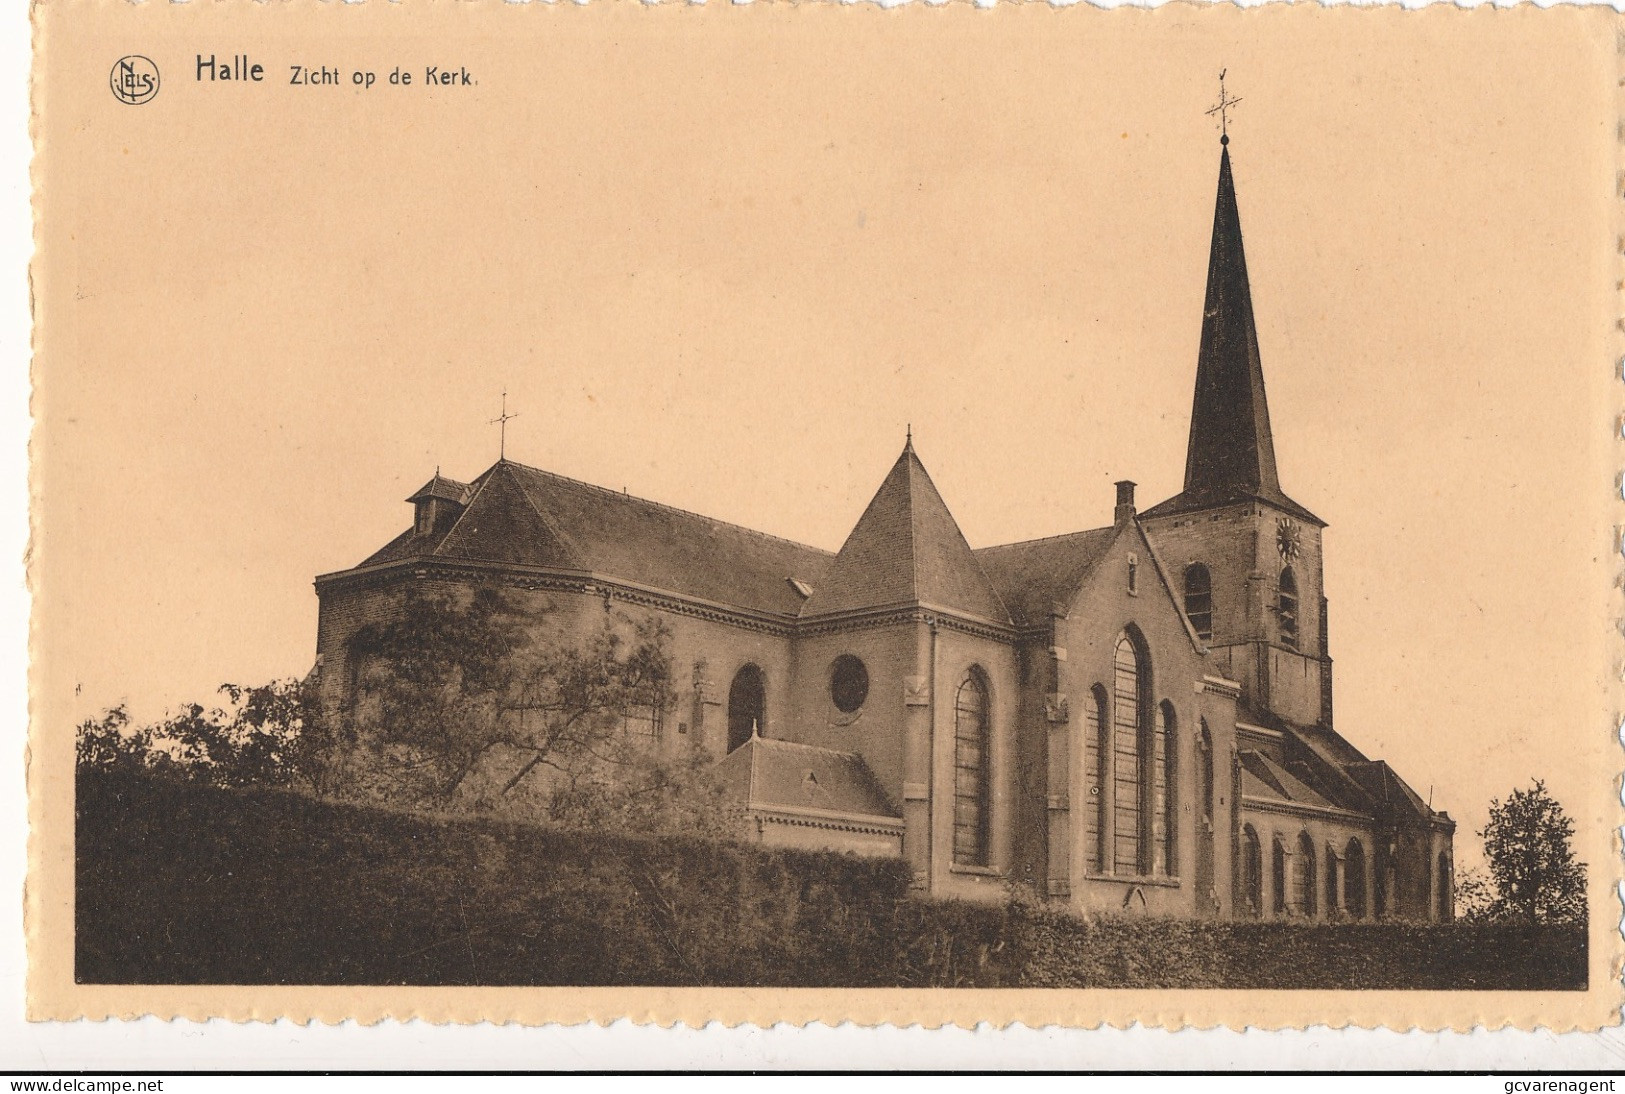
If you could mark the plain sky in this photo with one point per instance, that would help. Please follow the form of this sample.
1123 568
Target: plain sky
270 312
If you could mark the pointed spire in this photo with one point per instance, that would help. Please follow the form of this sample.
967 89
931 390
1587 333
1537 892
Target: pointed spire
1231 453
906 549
1231 448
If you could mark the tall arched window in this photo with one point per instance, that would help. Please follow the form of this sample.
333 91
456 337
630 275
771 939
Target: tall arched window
971 777
1205 895
1278 866
1303 876
1130 725
1354 879
1252 871
1443 878
1096 747
747 705
1164 789
1199 599
1288 608
1329 884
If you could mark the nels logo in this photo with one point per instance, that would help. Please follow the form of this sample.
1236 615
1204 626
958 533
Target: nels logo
134 79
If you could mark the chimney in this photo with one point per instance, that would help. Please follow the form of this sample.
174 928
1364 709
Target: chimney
1125 503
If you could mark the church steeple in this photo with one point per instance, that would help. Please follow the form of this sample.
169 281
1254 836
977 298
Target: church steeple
1231 449
1231 452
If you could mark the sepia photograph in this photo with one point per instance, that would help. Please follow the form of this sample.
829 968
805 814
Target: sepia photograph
785 500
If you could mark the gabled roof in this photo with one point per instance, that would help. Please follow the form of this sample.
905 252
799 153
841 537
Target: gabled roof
906 548
787 776
1039 576
523 516
1231 453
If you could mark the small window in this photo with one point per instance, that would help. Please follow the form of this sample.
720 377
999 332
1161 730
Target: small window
848 683
1134 575
1252 872
1303 877
643 720
1288 608
1278 867
1199 599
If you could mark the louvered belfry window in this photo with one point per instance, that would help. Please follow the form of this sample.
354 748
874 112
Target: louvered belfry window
1288 608
972 783
1128 762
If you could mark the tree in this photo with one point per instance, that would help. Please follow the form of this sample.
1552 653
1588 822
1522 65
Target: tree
1531 864
1474 895
457 695
109 742
262 736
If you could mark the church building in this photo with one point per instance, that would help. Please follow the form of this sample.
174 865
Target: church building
1133 718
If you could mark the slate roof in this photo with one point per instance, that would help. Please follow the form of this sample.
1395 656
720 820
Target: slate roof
1384 784
523 516
906 548
442 487
1036 576
1262 777
1231 454
789 776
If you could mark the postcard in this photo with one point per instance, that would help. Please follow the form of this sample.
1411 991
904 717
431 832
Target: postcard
778 512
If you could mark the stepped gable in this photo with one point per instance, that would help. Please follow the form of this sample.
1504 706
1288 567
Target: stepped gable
1040 576
1231 452
905 549
788 776
523 516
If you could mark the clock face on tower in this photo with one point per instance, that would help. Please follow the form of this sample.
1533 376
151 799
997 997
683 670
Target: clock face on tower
1286 539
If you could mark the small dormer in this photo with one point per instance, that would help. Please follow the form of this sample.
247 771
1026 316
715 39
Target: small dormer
437 505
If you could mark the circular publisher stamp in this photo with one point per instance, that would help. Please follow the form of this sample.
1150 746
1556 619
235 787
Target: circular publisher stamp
134 79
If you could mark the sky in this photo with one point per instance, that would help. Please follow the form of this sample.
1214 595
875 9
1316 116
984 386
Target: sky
268 314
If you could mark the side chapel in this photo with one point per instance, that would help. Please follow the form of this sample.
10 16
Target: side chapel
1134 717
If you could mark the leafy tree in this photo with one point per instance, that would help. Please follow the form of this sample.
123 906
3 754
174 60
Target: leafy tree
262 736
1475 895
458 697
1531 863
109 741
645 795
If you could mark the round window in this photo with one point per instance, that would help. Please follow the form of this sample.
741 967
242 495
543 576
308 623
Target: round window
848 683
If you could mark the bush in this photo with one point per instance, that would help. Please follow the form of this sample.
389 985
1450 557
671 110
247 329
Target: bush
183 883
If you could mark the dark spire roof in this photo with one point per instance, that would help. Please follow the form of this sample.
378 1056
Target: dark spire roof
1231 456
906 548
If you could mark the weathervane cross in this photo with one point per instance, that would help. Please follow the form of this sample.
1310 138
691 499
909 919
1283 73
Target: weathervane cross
1222 109
501 421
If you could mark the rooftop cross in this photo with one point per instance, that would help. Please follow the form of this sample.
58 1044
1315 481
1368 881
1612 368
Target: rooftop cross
1222 109
502 422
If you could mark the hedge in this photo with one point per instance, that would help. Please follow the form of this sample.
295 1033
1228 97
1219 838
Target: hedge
187 884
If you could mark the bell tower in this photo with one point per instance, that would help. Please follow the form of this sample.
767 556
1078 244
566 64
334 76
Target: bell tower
1244 558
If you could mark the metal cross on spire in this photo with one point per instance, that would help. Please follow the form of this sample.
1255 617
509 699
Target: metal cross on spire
1222 109
502 422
